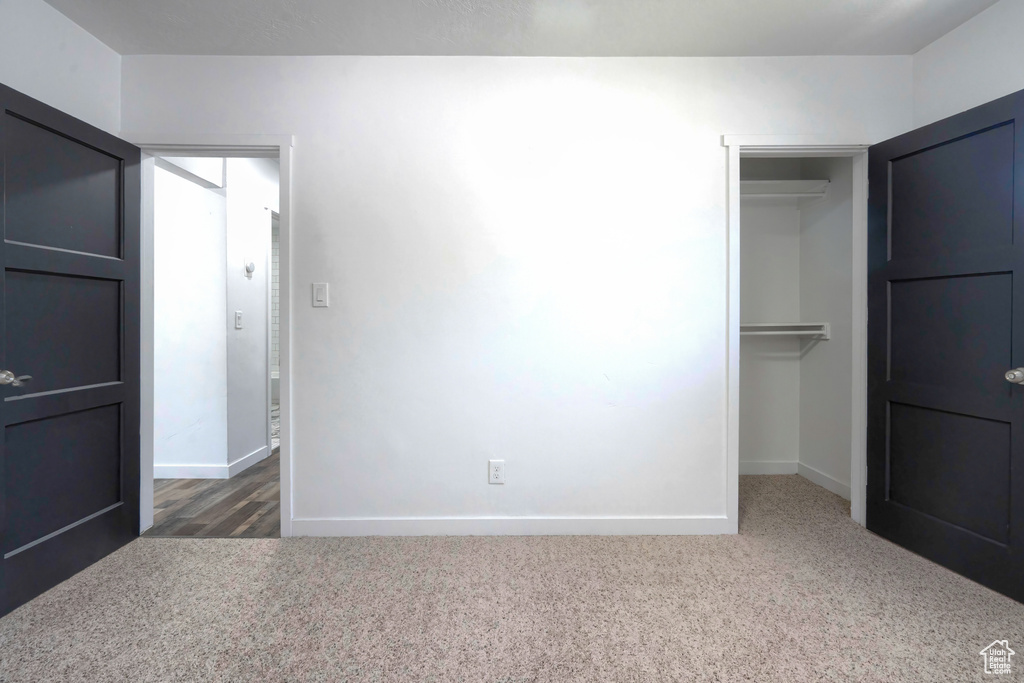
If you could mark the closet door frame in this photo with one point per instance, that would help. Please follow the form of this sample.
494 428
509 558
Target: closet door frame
783 146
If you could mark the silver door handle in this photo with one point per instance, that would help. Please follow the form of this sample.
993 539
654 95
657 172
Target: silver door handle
1015 376
7 377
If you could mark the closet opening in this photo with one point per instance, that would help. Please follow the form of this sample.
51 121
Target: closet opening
797 323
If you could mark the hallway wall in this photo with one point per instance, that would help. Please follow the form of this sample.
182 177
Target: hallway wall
190 418
252 193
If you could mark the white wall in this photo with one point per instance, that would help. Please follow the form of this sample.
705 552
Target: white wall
207 171
252 193
769 435
189 342
527 260
973 64
47 56
826 287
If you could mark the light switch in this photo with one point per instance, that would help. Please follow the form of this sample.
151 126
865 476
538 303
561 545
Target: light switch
238 320
320 295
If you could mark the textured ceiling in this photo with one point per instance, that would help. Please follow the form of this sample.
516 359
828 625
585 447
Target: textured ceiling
519 27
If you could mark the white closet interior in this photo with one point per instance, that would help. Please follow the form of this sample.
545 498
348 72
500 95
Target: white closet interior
796 225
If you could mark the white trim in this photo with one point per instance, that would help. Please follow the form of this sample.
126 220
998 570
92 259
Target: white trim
285 335
768 467
513 526
802 146
732 350
821 479
190 472
218 145
211 471
269 266
146 434
247 461
859 367
791 146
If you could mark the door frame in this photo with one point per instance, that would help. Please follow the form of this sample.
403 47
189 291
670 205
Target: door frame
228 145
782 146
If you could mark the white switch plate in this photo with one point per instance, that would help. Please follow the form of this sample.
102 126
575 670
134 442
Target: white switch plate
320 299
238 320
495 471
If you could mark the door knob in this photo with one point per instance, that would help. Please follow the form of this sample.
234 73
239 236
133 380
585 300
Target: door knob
7 377
1015 376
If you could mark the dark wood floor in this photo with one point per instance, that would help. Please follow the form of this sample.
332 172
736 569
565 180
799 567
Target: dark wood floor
246 506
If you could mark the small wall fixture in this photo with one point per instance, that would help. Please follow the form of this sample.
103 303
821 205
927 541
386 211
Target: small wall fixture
250 268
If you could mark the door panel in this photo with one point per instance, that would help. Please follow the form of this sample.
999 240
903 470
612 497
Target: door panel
945 322
956 347
69 317
972 494
70 324
61 192
60 470
939 190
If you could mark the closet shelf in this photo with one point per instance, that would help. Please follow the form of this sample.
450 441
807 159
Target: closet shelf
820 330
783 189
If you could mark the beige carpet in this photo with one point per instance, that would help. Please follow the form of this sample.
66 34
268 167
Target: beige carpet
802 594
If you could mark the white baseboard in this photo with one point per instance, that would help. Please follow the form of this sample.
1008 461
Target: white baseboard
768 467
513 526
210 471
190 471
825 481
247 461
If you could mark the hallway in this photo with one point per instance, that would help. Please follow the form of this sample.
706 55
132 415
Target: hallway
245 506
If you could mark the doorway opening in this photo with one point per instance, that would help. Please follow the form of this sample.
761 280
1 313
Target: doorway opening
797 313
795 319
215 381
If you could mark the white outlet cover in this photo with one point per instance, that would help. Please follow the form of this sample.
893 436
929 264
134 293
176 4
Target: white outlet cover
495 471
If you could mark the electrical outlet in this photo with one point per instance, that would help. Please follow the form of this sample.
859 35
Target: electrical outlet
495 471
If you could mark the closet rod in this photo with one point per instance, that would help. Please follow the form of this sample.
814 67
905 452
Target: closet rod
822 330
790 195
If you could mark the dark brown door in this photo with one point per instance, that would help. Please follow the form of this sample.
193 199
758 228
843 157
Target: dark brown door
69 318
945 325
